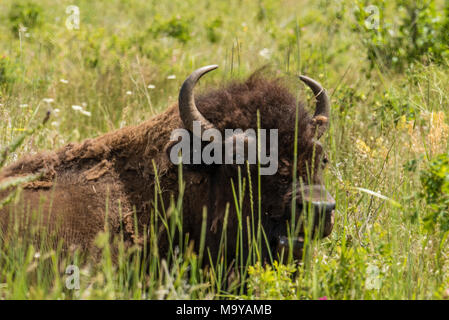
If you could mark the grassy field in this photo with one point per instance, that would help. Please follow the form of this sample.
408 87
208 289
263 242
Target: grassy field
387 144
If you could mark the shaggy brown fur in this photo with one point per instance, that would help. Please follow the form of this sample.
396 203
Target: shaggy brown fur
116 170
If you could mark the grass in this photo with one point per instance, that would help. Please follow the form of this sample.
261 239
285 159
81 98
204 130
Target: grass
126 63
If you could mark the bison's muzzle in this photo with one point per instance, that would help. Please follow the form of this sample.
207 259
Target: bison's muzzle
315 210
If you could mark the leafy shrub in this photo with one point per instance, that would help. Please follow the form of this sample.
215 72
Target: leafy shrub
419 34
211 29
435 192
177 27
391 106
266 10
8 74
92 47
27 14
271 282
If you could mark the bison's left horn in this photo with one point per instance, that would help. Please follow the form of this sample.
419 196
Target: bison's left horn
187 107
321 116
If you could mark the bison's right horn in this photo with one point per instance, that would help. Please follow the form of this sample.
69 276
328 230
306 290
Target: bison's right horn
187 107
321 116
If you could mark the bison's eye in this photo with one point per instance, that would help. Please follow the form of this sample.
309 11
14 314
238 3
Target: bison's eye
325 161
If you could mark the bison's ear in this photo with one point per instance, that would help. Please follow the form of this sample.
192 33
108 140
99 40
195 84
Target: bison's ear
320 124
320 120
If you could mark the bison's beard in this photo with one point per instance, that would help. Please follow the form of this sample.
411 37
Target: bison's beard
283 247
281 242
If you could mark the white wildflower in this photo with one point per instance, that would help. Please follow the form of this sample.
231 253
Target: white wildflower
265 53
171 77
81 110
48 100
151 86
86 113
24 105
129 93
64 81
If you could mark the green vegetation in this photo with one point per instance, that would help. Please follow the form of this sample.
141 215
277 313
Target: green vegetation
387 144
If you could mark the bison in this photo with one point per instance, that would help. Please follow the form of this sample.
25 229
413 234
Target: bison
124 179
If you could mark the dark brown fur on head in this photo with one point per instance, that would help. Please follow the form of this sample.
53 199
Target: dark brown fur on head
119 167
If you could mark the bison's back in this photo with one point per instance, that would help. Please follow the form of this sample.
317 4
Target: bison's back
98 184
72 214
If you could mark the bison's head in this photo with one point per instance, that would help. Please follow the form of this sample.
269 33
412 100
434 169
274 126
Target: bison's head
281 200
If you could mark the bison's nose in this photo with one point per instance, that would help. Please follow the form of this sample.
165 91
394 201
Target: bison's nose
322 205
325 208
